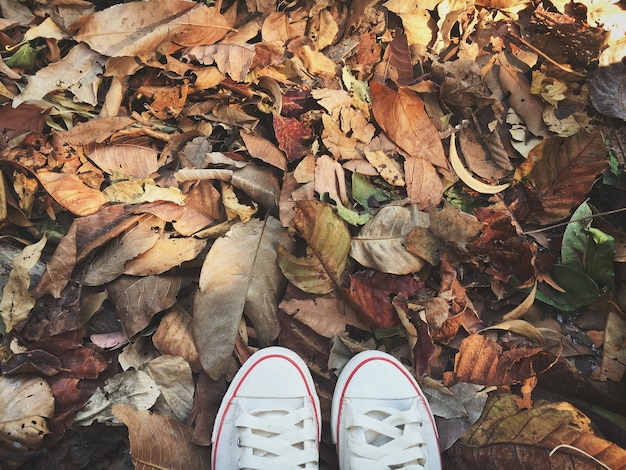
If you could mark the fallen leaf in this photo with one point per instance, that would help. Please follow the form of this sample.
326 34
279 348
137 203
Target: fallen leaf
69 191
550 435
164 255
423 184
381 243
330 178
293 136
173 376
174 336
131 160
401 115
133 300
17 301
264 150
26 402
173 447
79 72
132 387
137 240
323 267
239 276
231 59
560 172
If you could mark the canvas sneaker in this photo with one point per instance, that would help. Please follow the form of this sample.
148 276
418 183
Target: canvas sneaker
270 417
380 418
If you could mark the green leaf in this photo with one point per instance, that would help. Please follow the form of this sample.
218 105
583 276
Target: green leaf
24 58
575 237
323 267
600 257
365 193
580 289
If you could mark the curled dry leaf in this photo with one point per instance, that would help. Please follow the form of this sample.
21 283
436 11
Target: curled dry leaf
164 255
69 191
264 150
174 336
323 267
173 449
402 116
239 276
381 243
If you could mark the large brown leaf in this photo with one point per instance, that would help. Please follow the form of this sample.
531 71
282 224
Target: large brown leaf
159 441
402 116
131 160
560 172
69 191
239 276
505 437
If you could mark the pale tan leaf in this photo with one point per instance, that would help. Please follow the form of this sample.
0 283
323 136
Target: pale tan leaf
231 59
173 376
135 302
234 209
159 441
381 243
94 130
330 178
164 255
519 310
239 276
25 403
132 160
111 263
69 191
261 184
386 167
78 72
521 327
17 301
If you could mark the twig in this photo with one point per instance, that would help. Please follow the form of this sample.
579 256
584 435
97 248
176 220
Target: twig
599 214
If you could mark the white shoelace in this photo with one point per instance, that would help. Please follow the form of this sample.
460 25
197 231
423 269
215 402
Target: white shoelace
278 439
389 439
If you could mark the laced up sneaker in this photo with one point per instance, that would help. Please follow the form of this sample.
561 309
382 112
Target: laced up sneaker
270 417
380 418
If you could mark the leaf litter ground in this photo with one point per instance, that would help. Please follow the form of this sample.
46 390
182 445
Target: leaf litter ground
184 183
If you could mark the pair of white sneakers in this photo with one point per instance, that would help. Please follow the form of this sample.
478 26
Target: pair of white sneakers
270 417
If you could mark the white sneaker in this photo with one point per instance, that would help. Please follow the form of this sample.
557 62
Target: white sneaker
380 418
270 417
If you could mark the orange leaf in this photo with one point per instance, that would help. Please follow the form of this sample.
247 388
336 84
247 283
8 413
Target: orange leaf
69 191
401 115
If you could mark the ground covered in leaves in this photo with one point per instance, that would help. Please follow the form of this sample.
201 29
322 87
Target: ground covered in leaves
183 183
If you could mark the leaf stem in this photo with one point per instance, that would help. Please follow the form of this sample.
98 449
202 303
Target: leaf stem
599 214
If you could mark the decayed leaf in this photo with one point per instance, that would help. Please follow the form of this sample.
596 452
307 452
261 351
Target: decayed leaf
172 448
69 191
111 263
322 269
25 403
239 276
78 72
454 226
172 374
388 169
132 387
401 115
560 172
164 255
135 302
381 243
132 160
550 435
17 301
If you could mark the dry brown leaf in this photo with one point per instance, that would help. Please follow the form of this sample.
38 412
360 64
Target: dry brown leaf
423 184
263 149
401 115
159 441
69 191
111 263
164 255
231 59
174 336
135 302
94 130
330 179
551 436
